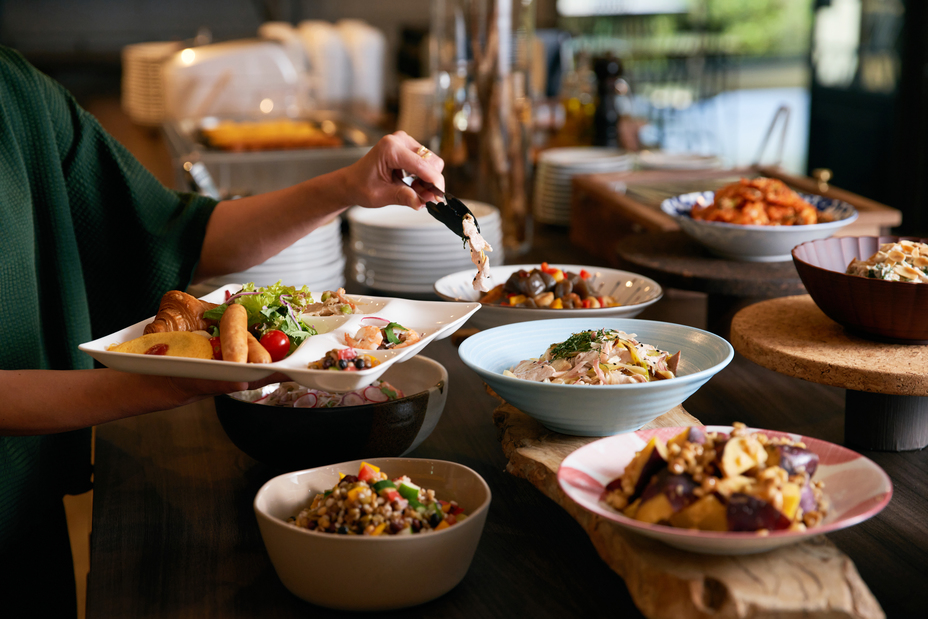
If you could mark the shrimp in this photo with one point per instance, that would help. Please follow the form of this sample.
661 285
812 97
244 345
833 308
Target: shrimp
407 338
367 338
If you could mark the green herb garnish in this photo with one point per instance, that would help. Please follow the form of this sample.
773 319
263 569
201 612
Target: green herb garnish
577 343
390 335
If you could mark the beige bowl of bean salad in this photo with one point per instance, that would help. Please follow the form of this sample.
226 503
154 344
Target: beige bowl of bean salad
400 568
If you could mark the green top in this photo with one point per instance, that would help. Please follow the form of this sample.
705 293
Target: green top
89 242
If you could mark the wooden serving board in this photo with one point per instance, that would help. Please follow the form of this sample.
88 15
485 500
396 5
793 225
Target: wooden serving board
808 579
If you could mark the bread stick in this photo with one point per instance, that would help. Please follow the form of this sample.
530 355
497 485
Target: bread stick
256 352
233 333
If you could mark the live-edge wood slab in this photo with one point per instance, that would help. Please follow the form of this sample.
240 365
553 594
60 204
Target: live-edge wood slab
808 579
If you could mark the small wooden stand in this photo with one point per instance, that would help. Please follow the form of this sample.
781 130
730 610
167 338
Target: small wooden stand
675 260
809 579
886 408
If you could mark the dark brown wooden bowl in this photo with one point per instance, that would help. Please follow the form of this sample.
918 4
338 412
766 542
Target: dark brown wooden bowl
293 439
895 312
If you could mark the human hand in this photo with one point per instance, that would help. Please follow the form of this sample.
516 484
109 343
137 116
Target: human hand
188 390
377 178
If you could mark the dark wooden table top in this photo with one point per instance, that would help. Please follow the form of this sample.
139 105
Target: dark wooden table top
174 533
676 260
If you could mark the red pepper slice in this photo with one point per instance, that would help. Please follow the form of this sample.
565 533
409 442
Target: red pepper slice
585 274
366 473
217 348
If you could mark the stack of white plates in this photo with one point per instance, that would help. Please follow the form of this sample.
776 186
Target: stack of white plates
142 94
417 97
398 250
316 261
556 168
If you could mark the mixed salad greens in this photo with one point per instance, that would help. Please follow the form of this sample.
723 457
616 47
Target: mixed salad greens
271 308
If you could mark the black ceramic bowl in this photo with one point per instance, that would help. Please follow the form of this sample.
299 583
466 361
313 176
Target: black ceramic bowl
301 438
871 308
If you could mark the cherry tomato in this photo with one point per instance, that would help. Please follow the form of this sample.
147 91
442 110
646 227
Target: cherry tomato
217 348
276 343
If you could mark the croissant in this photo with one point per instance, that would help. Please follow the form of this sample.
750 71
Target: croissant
180 311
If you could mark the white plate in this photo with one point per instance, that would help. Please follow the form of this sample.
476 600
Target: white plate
420 289
433 319
439 244
398 217
318 281
315 244
332 263
308 253
650 160
856 487
573 155
635 292
457 255
422 274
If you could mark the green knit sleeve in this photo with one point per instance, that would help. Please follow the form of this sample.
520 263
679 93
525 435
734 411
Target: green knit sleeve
136 238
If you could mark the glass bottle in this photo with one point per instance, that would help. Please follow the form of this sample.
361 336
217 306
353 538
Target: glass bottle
482 59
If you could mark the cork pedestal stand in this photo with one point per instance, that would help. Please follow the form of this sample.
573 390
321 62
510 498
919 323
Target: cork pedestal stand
886 408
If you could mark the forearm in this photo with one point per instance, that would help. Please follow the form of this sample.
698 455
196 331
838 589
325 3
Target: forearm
48 401
244 232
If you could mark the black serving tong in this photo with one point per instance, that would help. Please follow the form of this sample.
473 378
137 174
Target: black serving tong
451 212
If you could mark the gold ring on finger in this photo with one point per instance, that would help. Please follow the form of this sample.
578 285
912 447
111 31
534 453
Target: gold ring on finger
423 152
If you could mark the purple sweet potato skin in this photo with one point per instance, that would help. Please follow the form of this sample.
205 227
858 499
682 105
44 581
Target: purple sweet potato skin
747 513
807 499
795 460
677 488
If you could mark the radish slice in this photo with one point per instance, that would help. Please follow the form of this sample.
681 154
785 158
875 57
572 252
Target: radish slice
233 297
307 401
374 394
375 318
352 399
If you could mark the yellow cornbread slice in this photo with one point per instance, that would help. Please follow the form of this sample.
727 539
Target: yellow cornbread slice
170 343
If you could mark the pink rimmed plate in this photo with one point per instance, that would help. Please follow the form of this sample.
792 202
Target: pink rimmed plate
856 487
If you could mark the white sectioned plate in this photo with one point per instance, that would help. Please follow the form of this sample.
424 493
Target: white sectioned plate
856 487
433 320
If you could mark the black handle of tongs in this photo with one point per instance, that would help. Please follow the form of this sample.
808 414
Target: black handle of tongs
451 212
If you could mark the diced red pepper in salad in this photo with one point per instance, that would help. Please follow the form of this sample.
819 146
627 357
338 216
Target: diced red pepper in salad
366 472
346 353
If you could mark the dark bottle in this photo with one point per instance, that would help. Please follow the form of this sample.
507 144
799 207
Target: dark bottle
608 70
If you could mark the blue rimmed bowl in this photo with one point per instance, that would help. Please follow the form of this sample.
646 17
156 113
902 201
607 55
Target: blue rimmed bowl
594 410
756 243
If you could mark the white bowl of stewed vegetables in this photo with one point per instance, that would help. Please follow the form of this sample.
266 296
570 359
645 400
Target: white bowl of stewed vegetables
522 292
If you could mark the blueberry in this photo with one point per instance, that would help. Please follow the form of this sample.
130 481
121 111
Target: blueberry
343 363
